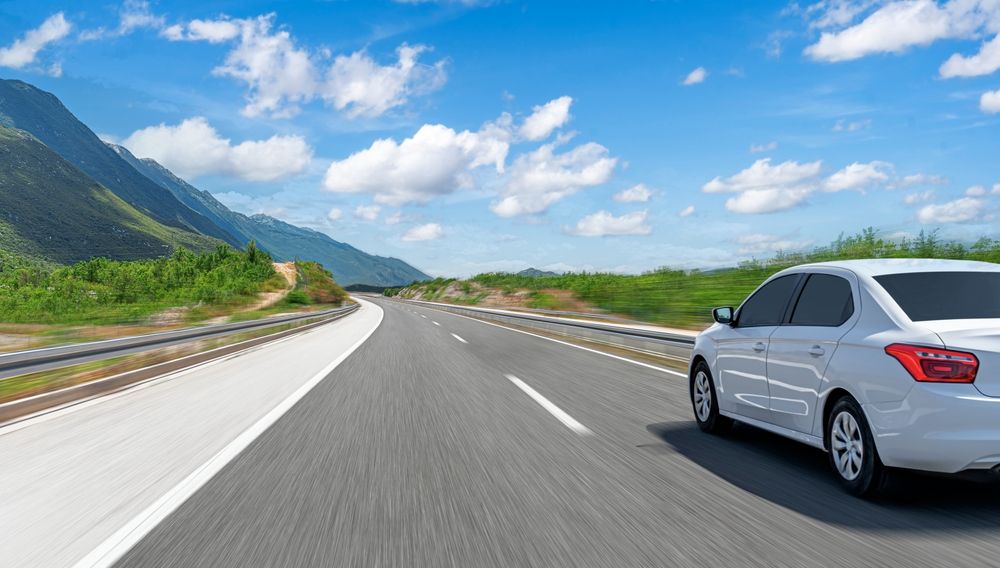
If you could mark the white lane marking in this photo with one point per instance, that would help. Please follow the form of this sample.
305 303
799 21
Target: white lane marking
619 357
423 316
566 419
112 549
459 338
435 323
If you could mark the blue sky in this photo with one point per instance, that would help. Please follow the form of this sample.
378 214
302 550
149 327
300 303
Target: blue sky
468 136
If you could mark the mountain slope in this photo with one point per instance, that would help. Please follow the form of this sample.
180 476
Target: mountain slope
284 241
50 209
30 109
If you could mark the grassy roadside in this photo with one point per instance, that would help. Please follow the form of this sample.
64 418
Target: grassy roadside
672 297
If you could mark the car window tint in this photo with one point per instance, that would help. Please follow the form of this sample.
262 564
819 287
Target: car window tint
767 305
825 301
945 295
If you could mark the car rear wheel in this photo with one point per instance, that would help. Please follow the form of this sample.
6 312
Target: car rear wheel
852 450
706 403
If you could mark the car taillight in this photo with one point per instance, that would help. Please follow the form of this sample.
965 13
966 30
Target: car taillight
934 365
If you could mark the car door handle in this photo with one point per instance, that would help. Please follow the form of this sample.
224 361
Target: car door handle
759 346
817 351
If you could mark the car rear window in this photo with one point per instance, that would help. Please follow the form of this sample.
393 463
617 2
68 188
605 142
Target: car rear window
945 295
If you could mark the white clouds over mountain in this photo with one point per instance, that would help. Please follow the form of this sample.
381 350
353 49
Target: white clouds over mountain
194 148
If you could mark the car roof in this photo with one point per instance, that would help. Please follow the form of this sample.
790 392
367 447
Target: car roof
880 266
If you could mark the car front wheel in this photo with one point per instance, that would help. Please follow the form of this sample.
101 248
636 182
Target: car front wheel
706 403
852 450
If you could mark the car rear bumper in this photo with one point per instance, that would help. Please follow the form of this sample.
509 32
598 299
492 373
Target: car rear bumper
938 427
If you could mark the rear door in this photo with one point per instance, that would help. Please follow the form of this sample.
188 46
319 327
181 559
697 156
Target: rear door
801 348
742 350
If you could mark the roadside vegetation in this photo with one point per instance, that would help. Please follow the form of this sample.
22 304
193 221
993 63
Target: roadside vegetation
679 298
101 291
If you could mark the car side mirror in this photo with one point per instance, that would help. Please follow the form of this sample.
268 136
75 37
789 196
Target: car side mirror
723 315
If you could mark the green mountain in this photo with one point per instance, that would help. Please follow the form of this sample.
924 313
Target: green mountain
28 108
282 240
49 209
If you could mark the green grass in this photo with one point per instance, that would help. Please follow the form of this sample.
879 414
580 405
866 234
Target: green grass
685 297
101 291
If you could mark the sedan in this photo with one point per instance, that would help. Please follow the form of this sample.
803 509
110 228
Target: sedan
881 363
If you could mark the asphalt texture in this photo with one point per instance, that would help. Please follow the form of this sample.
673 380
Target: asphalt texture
418 450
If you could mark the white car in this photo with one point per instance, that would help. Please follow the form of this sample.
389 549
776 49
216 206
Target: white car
882 363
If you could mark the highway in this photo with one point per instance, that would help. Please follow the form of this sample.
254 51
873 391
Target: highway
446 441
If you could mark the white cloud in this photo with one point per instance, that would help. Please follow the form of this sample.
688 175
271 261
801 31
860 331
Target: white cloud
133 15
976 191
762 175
602 224
837 13
394 219
686 212
636 194
359 86
335 214
894 28
212 31
758 148
958 211
760 243
918 197
434 161
546 118
845 126
768 200
428 232
367 212
858 176
194 148
983 63
918 180
540 178
696 76
25 49
990 102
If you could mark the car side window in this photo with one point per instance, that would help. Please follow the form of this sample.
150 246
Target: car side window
826 300
767 305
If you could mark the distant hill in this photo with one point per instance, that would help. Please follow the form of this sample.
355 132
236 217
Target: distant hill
536 272
28 108
49 209
283 240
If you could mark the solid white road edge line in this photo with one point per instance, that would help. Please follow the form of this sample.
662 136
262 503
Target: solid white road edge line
435 323
554 410
619 357
459 338
112 549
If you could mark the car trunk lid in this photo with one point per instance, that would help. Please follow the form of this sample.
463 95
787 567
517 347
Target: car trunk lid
979 337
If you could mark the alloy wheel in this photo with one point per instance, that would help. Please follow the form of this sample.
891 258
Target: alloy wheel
702 396
847 446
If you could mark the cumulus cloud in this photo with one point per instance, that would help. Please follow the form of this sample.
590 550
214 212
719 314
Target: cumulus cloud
435 161
767 188
542 177
759 148
546 118
760 243
918 197
194 148
858 176
603 224
960 210
990 102
25 49
334 214
983 63
428 232
280 75
394 219
638 193
696 76
686 212
367 212
133 15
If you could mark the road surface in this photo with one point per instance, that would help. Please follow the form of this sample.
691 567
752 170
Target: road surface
445 441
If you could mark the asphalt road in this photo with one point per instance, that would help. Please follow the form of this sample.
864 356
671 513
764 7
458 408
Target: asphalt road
444 441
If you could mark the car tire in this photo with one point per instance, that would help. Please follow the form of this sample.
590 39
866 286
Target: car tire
705 403
852 452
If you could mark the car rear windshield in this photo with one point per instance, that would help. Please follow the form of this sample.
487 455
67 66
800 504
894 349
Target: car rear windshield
945 295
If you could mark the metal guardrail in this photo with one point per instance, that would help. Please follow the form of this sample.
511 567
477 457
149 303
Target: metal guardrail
33 360
671 345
